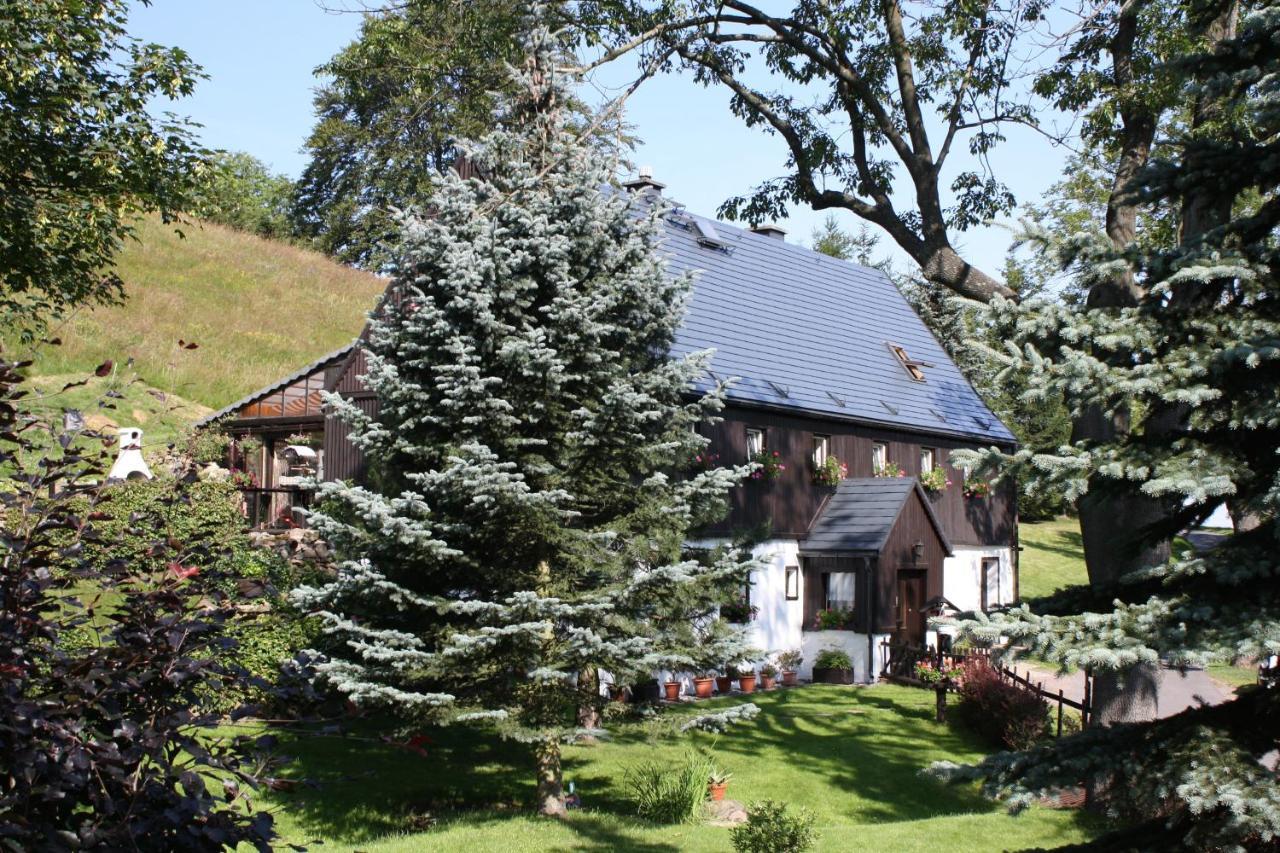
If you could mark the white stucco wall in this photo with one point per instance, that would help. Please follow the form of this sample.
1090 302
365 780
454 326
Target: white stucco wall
962 577
779 623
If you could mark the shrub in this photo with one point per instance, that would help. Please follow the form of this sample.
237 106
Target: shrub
790 659
1005 714
666 792
771 828
103 743
832 658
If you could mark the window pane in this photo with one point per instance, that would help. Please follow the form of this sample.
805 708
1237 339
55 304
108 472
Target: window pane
879 456
926 460
840 590
755 441
821 448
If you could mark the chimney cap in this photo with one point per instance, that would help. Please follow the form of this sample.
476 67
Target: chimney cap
768 229
644 181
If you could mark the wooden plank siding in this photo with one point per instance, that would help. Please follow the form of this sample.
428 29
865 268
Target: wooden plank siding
791 501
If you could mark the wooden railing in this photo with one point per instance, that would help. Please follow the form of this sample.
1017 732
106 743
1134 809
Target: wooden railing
900 660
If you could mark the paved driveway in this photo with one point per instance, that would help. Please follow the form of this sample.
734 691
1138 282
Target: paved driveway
1177 691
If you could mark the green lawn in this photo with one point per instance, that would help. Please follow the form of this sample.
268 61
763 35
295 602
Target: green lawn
1052 556
852 755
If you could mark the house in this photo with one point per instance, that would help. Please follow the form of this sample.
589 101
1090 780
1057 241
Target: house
831 364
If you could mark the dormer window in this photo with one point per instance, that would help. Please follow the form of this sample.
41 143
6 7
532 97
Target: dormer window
915 369
755 442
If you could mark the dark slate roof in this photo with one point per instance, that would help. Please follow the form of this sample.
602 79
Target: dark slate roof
322 361
805 331
860 515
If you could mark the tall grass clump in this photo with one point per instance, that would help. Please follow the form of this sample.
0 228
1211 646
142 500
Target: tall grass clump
666 792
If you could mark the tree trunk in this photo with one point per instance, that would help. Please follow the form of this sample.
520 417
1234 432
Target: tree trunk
589 704
550 779
1131 696
942 265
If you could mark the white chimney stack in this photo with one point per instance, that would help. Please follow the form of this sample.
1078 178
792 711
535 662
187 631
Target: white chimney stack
129 463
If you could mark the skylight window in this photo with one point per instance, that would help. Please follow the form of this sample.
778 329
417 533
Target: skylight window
915 369
707 232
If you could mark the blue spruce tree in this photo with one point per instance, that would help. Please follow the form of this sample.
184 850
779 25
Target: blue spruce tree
1193 359
530 495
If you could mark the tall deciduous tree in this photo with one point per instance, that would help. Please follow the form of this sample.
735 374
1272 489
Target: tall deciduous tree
421 75
80 155
1197 355
867 91
242 192
528 515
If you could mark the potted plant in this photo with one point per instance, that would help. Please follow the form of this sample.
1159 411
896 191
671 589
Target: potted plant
771 465
618 692
672 689
702 685
717 782
833 620
833 666
768 676
747 680
724 683
935 480
976 489
889 469
830 472
790 661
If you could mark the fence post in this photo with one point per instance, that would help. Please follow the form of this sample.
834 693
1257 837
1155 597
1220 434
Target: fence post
1086 711
1059 712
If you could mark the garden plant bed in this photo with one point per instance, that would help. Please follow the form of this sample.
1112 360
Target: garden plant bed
853 757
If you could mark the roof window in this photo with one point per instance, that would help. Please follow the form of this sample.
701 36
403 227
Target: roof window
914 368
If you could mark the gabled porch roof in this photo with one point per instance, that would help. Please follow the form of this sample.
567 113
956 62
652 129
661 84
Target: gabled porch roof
859 518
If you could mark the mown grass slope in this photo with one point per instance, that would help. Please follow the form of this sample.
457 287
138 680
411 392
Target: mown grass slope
256 309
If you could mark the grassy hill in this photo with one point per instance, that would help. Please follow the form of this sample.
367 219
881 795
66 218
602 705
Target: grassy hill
257 310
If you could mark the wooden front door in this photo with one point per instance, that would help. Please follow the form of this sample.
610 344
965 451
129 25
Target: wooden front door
911 598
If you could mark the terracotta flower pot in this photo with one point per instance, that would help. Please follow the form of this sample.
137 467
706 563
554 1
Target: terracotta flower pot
747 683
788 678
723 683
702 687
673 690
768 682
717 791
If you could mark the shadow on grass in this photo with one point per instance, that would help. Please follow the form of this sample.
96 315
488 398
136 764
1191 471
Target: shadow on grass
854 754
1067 543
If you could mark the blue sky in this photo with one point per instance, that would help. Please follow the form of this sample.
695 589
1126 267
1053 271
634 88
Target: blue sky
259 55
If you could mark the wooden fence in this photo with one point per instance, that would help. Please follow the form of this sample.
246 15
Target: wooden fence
899 664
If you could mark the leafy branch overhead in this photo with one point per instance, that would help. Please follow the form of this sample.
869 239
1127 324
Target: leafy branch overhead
860 93
81 156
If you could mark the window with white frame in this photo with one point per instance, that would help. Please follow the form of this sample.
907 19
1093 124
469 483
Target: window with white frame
928 459
821 450
755 442
879 457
